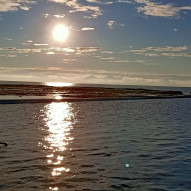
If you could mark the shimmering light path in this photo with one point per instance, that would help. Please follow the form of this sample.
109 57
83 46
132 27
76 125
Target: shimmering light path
58 119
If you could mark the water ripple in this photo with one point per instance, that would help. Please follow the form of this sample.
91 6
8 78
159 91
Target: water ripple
113 145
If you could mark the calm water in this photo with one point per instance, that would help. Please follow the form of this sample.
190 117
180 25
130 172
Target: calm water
87 146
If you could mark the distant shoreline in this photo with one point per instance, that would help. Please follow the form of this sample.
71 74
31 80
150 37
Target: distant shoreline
44 100
11 94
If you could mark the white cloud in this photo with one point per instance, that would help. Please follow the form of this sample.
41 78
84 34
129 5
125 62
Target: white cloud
124 1
73 50
107 58
154 51
27 43
46 15
169 51
158 9
113 24
68 60
28 50
13 50
129 61
59 16
14 5
186 55
49 51
95 11
8 39
151 54
40 44
107 52
11 55
93 1
100 2
87 29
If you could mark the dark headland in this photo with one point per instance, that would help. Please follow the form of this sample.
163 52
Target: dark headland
45 93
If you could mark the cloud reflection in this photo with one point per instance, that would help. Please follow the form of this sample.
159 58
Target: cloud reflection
58 120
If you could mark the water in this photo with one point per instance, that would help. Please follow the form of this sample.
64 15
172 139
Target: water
97 145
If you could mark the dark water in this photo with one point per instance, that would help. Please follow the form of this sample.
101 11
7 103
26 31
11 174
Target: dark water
89 145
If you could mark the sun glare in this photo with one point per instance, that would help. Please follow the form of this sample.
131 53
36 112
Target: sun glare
60 33
58 84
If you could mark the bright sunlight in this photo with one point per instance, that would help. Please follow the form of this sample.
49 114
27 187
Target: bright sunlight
60 33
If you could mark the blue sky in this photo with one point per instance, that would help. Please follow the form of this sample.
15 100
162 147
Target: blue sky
138 42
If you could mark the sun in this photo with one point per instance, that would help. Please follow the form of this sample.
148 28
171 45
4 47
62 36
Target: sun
60 33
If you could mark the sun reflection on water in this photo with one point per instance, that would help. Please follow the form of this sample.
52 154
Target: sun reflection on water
59 119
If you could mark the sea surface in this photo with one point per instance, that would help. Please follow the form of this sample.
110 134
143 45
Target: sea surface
136 145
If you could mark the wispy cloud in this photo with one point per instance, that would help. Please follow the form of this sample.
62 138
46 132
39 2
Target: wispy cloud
68 60
11 55
107 58
74 50
48 50
170 54
8 55
167 48
14 5
112 24
88 29
50 53
158 9
59 16
129 61
36 44
46 15
100 1
27 43
164 51
151 54
107 52
8 39
124 1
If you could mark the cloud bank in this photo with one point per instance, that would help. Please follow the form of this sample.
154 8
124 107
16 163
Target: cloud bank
14 5
158 9
95 11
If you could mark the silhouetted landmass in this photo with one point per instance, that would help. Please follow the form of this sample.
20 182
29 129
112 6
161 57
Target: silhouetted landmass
83 92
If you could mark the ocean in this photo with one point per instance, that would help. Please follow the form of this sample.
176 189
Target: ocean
136 145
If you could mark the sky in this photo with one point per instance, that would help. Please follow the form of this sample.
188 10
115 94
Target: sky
131 42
